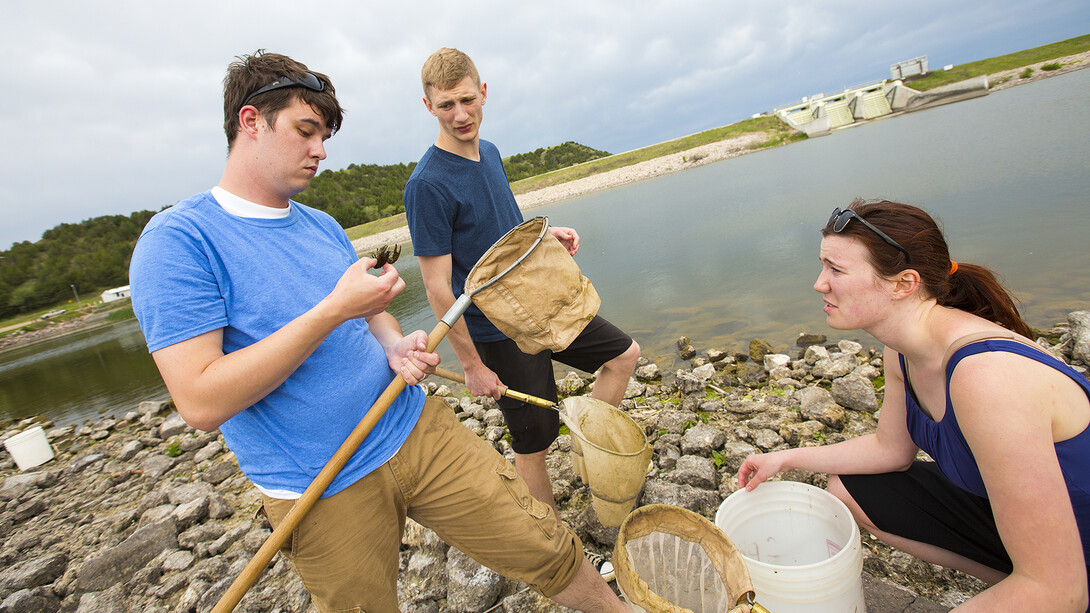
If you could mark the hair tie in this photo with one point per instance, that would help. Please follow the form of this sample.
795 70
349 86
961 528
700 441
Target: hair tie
953 267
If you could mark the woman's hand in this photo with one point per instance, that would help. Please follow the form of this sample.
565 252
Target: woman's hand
757 468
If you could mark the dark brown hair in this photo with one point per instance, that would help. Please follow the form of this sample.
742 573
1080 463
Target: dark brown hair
249 73
971 288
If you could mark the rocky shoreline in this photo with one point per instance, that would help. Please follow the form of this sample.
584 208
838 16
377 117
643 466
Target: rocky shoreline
144 513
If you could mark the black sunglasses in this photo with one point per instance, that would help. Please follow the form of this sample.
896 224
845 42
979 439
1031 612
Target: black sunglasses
308 81
840 218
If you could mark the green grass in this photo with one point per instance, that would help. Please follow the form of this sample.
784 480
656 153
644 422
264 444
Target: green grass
779 133
1011 61
374 227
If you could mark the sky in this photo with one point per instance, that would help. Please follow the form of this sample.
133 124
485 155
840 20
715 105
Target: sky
111 108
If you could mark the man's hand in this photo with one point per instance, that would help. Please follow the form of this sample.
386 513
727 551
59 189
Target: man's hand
410 359
481 381
567 237
359 294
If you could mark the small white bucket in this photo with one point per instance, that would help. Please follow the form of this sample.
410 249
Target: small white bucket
801 546
29 448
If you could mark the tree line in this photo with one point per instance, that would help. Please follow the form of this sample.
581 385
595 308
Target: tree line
94 255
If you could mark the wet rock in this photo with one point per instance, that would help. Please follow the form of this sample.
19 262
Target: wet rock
758 349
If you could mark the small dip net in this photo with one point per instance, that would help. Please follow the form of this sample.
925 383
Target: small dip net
547 303
610 453
670 560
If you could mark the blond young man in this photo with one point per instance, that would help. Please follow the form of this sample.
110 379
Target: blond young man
458 203
265 324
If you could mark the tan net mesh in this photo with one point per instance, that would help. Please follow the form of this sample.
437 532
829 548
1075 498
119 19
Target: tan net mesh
670 560
546 302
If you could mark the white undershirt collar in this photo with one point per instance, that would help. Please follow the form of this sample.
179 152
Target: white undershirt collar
240 207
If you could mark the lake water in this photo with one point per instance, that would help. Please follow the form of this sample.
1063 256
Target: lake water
727 252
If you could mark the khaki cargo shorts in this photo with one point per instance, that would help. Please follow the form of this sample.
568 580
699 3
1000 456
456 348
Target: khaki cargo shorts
446 478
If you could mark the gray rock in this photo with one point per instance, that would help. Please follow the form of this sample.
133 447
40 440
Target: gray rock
773 361
173 426
109 601
814 354
1079 322
472 588
660 491
855 392
33 573
696 471
674 421
702 439
117 563
155 466
39 600
424 578
648 372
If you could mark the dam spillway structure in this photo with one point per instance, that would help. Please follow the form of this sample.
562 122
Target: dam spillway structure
821 114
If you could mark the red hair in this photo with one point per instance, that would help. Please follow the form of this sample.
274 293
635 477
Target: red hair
970 287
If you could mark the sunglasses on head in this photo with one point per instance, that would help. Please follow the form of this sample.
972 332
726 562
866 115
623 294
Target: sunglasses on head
308 81
840 218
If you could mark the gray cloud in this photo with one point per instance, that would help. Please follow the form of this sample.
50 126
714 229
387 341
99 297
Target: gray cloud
113 108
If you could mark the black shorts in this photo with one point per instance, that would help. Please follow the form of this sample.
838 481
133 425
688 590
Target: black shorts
923 505
534 428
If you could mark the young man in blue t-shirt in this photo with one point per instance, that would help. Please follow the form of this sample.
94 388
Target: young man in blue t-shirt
265 324
458 203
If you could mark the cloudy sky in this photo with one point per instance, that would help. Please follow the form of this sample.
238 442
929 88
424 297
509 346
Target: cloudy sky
110 108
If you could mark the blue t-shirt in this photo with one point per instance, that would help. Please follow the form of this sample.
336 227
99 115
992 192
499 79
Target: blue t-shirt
945 443
460 207
197 268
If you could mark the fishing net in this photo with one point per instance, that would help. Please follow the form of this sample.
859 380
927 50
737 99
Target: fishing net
547 303
610 453
670 560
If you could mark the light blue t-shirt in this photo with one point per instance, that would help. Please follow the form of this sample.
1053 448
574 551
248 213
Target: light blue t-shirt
197 268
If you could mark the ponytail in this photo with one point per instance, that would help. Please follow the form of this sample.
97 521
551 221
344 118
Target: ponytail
975 289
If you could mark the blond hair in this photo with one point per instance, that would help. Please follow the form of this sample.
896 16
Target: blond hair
446 68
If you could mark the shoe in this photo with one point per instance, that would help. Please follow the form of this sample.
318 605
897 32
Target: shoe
604 566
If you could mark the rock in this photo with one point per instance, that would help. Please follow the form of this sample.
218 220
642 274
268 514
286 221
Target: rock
173 426
855 392
815 353
32 573
472 588
674 422
39 600
702 439
1079 322
773 361
807 340
115 564
697 471
758 349
648 372
658 491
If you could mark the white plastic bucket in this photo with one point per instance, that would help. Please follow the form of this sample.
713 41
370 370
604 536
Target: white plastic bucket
29 448
801 546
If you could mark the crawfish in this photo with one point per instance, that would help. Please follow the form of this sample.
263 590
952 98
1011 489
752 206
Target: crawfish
386 254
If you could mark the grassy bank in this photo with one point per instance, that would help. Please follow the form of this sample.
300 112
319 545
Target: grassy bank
772 125
1044 53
